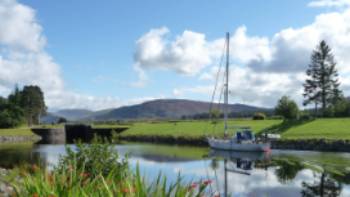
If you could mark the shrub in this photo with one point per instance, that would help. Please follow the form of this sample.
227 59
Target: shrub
259 116
287 108
92 170
96 158
276 117
305 116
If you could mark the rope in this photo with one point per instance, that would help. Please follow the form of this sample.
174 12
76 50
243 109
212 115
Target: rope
215 86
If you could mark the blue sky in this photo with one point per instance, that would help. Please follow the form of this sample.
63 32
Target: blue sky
93 46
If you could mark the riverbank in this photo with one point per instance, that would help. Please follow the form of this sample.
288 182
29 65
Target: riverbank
287 144
5 189
323 128
18 139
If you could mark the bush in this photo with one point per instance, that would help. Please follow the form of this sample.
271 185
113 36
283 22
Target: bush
95 170
276 117
341 108
259 116
287 108
61 120
305 116
96 158
10 114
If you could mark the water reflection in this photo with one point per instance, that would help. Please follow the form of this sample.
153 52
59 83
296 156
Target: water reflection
281 173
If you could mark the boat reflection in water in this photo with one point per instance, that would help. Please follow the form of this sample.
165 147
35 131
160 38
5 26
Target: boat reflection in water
242 163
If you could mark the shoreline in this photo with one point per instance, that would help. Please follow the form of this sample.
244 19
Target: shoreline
323 145
18 138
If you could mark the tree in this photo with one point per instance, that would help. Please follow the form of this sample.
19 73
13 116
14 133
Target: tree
61 120
341 108
215 115
15 97
259 116
33 104
10 115
322 85
287 108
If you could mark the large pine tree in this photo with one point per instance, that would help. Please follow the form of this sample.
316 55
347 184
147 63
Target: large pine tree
322 84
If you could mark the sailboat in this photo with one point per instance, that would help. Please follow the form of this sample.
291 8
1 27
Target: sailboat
243 140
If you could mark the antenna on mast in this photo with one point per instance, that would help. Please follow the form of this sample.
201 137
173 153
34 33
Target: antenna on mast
226 81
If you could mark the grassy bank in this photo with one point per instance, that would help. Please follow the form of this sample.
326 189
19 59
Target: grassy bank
328 128
192 128
20 131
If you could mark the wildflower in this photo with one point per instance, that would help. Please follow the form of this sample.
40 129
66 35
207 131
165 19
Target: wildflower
35 168
70 168
193 186
128 190
125 190
50 178
207 182
84 174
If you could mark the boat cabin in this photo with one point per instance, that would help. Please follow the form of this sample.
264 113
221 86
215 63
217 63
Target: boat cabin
245 135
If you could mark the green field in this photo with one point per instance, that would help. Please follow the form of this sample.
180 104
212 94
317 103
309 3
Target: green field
194 128
20 131
328 128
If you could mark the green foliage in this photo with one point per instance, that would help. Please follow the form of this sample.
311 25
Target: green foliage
33 104
96 158
287 108
341 108
10 114
26 104
61 120
259 116
288 169
81 174
215 115
322 85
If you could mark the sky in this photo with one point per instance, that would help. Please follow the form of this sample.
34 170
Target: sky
111 53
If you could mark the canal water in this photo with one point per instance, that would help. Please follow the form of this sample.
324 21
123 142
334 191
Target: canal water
279 173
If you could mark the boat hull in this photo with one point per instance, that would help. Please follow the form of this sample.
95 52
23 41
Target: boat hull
222 144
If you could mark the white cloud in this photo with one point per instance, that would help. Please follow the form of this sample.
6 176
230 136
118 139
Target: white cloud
24 61
188 54
329 3
272 67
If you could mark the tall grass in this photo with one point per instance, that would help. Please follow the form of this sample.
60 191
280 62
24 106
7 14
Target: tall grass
97 170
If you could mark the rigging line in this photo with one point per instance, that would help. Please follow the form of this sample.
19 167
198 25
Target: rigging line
219 103
217 78
216 84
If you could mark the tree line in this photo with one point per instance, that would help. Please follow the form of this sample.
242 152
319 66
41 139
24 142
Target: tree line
321 89
24 105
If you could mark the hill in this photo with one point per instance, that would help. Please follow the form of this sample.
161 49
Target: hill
168 109
74 114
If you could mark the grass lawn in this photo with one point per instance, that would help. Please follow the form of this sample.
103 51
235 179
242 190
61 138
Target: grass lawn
19 131
193 128
329 128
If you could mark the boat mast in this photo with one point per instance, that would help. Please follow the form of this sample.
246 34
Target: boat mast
226 81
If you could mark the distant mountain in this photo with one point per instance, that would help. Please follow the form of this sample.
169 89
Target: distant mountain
74 114
166 109
49 118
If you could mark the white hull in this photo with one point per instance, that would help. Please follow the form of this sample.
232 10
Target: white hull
223 144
